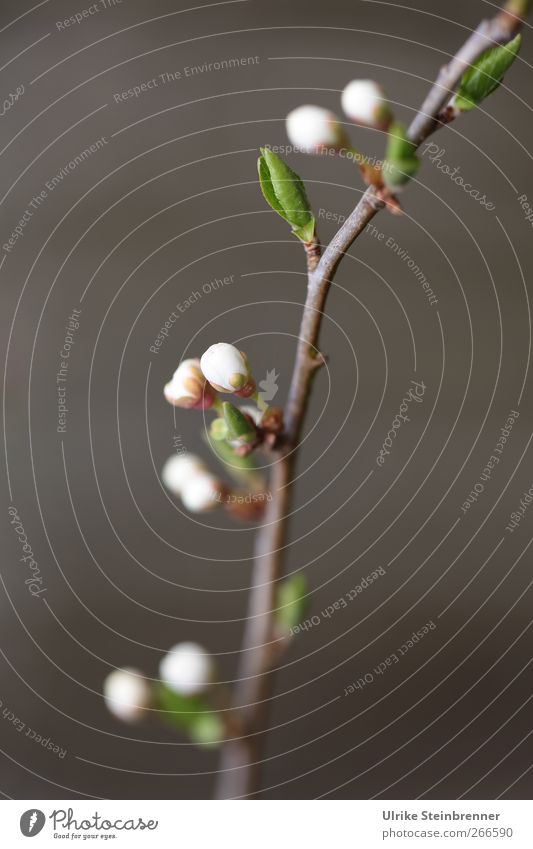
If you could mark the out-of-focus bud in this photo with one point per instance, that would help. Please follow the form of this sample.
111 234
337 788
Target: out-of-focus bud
218 430
364 102
127 694
179 469
201 492
187 669
312 128
188 387
227 369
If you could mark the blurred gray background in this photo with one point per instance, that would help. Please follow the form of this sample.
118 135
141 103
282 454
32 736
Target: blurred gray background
166 205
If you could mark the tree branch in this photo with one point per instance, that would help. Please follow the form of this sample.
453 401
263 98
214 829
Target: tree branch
238 775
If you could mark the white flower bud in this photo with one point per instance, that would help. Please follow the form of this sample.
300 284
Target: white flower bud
364 102
127 694
201 492
311 128
187 669
179 469
226 368
188 387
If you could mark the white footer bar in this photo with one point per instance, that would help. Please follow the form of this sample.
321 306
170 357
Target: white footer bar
268 824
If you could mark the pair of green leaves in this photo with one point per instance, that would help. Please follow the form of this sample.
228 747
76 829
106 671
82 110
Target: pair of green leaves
486 75
285 192
480 80
191 714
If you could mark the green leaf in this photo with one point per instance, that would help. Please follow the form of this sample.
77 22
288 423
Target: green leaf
268 188
238 426
292 601
179 710
399 147
191 714
285 192
486 75
401 161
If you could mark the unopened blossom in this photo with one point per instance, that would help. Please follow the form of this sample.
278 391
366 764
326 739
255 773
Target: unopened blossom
179 469
188 387
127 694
227 369
187 669
312 128
364 102
201 492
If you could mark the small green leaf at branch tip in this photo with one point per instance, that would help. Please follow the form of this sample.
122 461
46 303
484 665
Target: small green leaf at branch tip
238 426
485 75
292 602
401 161
191 714
285 192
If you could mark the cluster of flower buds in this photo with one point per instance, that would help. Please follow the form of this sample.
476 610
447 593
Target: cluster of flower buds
186 476
316 130
313 129
195 385
180 697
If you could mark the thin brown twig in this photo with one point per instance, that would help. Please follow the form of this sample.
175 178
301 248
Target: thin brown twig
239 768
